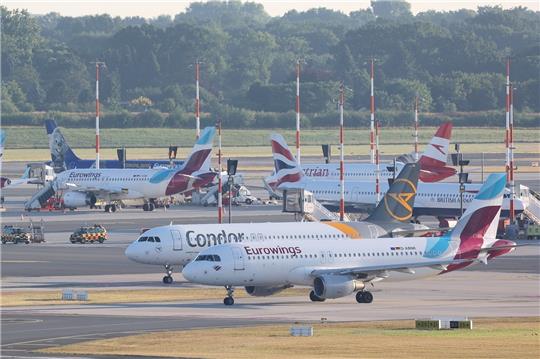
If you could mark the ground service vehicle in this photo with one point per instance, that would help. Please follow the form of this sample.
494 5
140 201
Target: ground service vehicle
95 233
16 235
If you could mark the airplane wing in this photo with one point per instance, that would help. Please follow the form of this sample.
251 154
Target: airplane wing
382 271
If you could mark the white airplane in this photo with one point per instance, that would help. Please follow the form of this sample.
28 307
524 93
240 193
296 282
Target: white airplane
432 164
439 199
85 186
177 245
336 269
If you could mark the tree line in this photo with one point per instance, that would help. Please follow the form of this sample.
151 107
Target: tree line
453 61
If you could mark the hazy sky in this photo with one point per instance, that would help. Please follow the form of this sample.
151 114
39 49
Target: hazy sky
149 8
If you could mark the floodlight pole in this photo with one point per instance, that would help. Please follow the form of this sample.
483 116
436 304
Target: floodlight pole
341 154
220 185
98 65
197 100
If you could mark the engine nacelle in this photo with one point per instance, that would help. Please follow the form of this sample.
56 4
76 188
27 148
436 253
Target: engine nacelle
261 291
335 286
79 199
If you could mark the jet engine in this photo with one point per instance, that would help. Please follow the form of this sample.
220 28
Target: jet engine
335 286
79 199
261 291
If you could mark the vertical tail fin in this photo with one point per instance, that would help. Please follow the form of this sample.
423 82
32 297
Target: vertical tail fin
2 140
287 171
478 225
201 154
436 153
398 202
61 153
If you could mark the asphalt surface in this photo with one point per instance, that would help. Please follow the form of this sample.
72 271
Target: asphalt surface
507 286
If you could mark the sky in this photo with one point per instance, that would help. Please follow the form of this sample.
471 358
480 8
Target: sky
150 9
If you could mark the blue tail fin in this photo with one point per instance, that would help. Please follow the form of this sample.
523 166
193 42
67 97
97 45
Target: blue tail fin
61 153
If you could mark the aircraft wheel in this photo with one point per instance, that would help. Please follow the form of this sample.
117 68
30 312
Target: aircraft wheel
228 301
151 207
113 208
364 297
167 279
314 298
145 207
107 208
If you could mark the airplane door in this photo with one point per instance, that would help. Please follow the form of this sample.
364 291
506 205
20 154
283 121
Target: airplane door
238 258
177 240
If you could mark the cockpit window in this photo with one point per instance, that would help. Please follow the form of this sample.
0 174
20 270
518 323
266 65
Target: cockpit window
150 239
157 239
142 239
208 258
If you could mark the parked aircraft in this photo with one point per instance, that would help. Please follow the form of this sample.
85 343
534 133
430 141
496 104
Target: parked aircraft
432 162
337 269
440 199
85 186
176 245
63 157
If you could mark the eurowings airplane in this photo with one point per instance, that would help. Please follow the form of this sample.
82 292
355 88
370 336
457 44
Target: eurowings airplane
432 165
337 269
439 199
85 186
63 157
177 245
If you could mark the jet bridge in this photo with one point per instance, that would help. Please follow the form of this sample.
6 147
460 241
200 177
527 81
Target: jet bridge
306 208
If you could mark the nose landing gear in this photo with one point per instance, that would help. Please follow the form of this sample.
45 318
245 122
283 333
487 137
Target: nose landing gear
168 279
229 300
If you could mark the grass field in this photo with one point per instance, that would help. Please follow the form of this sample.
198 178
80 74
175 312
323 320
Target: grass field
23 298
35 137
491 338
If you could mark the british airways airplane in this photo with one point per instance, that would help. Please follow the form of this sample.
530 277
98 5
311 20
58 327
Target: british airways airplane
63 157
83 187
439 199
335 269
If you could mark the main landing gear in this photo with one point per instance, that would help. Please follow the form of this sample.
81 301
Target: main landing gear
168 279
229 300
364 297
148 207
110 208
315 298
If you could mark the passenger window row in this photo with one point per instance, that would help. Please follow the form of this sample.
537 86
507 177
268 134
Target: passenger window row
149 239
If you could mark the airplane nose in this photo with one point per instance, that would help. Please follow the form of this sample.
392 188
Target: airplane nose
131 252
189 272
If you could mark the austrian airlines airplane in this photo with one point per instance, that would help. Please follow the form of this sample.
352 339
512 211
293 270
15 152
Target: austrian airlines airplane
432 164
86 186
177 245
336 269
440 199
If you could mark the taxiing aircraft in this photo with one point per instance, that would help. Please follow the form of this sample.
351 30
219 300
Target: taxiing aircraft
177 245
85 186
439 199
337 269
63 157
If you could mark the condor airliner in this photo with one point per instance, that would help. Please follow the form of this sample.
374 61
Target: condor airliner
432 165
85 186
63 157
177 245
337 269
440 199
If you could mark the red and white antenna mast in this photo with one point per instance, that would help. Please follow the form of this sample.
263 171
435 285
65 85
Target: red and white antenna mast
378 169
298 111
416 156
220 185
98 65
511 146
197 100
372 122
341 155
507 128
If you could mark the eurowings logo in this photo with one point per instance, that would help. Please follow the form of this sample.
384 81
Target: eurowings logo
398 205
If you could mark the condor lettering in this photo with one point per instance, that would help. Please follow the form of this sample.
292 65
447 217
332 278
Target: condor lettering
272 250
212 239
